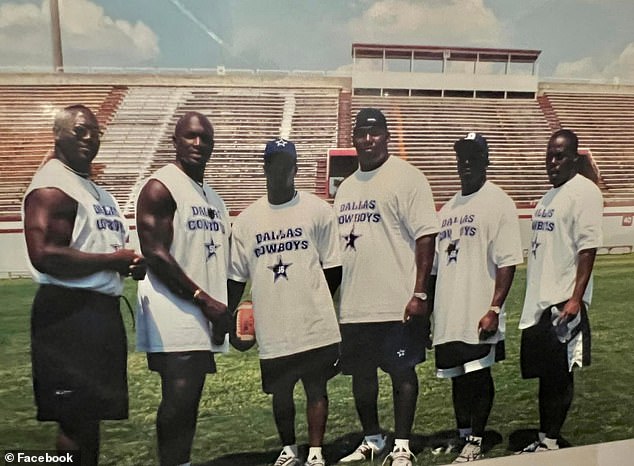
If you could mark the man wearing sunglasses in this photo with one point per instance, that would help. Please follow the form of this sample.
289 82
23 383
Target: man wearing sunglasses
387 223
76 236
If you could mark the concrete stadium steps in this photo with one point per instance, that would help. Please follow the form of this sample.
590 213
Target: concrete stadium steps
26 122
604 122
244 120
424 130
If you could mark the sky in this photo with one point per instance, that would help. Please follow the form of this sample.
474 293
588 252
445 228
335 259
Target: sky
580 39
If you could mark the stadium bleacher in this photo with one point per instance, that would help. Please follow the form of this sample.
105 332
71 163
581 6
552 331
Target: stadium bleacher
604 122
139 120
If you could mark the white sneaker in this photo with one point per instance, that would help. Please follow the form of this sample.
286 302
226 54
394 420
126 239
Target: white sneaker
315 462
364 452
472 451
536 447
287 460
400 457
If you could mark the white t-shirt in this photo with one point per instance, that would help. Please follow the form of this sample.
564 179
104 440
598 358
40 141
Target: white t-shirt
381 213
166 322
478 234
566 220
98 227
283 250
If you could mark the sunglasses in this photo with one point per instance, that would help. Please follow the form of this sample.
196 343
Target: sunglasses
82 131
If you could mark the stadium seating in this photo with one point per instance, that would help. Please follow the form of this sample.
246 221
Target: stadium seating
26 120
604 123
423 130
139 121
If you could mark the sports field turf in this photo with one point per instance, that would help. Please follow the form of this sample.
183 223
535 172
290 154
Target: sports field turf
235 424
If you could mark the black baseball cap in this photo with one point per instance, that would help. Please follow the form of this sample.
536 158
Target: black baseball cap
369 117
473 141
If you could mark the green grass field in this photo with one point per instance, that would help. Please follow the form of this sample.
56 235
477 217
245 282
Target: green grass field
235 425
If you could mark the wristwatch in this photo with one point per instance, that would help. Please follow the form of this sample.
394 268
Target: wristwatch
422 296
495 309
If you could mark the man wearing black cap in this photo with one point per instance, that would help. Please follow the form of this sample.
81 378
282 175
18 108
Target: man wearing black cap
287 244
478 248
387 223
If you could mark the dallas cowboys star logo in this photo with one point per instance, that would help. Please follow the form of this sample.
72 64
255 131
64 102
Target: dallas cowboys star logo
452 251
534 246
281 142
350 239
400 353
211 248
279 269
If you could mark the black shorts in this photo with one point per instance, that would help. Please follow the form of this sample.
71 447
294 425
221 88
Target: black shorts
543 355
392 346
456 358
281 373
182 364
79 355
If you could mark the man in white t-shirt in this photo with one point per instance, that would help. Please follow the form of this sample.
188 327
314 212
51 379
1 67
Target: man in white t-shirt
387 224
183 229
76 242
286 243
478 248
566 228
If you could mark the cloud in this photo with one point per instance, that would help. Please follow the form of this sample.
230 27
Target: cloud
89 36
620 67
433 22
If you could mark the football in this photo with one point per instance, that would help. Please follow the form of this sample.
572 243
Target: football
245 324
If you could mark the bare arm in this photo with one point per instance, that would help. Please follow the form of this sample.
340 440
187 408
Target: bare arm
333 278
155 216
424 257
488 324
49 218
584 270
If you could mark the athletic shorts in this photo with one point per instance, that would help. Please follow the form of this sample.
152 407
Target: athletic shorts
181 364
319 364
543 355
79 355
457 358
391 346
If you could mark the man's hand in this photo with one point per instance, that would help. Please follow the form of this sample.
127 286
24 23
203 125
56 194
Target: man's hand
488 325
216 313
212 309
126 261
416 307
138 268
570 310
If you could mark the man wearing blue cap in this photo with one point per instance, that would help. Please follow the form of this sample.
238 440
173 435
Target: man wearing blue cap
478 248
287 244
387 224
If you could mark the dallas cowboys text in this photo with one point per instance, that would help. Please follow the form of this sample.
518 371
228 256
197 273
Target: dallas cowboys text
359 217
543 225
466 229
209 221
113 224
279 241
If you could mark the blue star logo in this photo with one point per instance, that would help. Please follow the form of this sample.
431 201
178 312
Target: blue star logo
279 269
534 245
452 251
350 239
281 142
211 248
